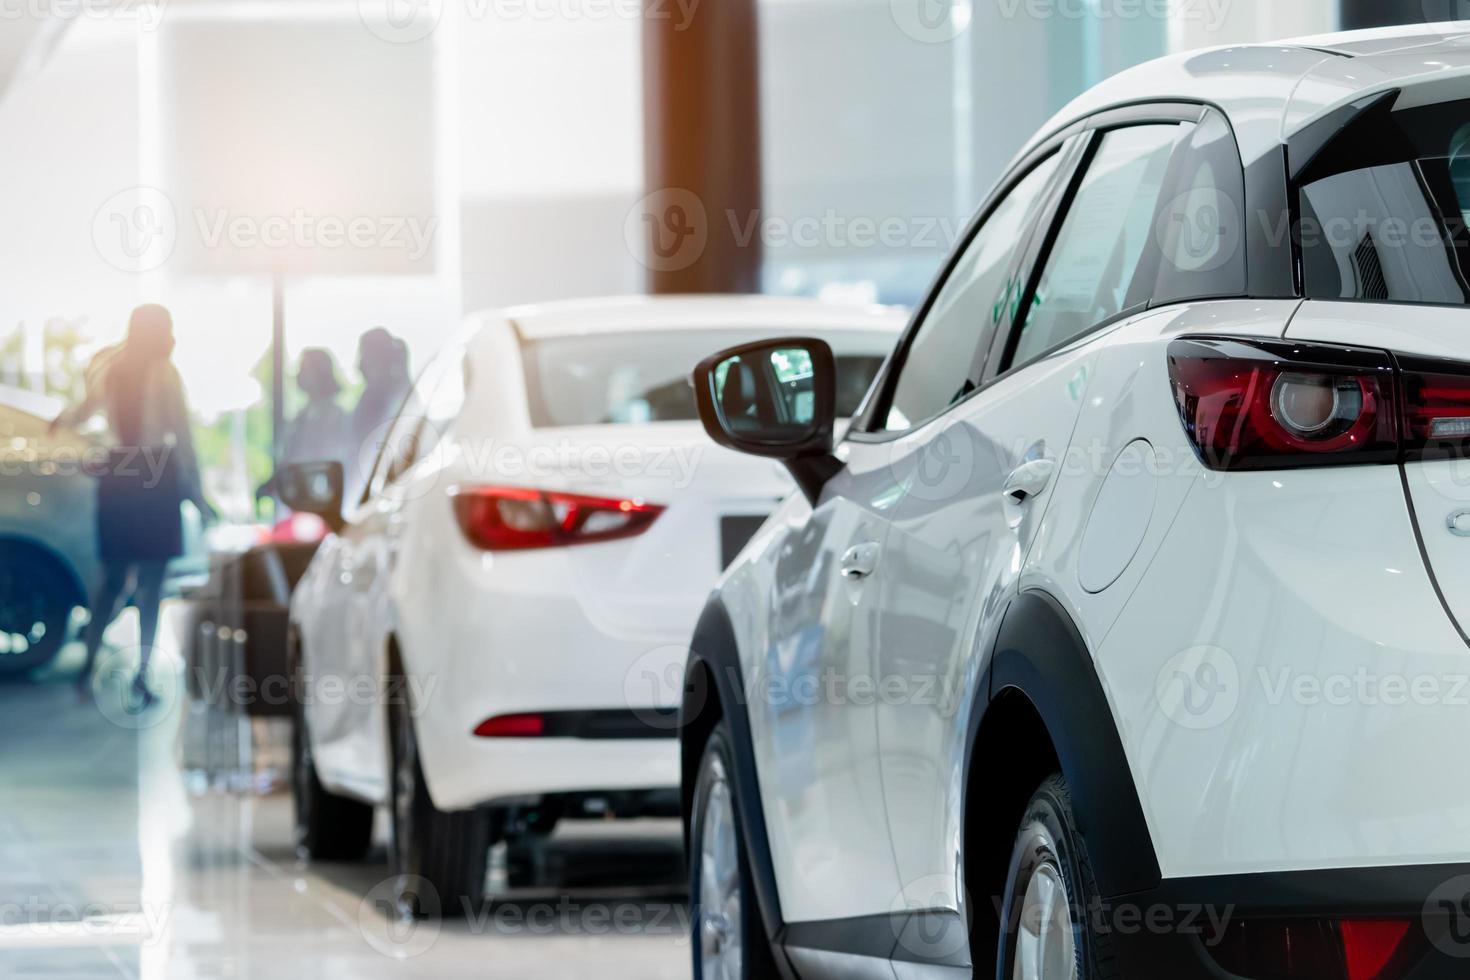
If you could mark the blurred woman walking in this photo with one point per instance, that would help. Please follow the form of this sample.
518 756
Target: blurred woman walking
151 470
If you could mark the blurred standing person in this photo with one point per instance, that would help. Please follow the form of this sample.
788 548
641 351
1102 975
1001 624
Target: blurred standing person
382 359
320 432
151 470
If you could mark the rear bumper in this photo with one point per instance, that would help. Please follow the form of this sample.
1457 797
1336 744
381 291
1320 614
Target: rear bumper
477 771
516 637
1173 930
1183 929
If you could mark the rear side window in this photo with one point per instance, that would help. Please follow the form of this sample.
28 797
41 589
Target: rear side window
1091 265
1197 250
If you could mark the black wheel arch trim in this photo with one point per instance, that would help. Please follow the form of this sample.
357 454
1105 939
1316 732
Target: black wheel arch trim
714 657
1040 653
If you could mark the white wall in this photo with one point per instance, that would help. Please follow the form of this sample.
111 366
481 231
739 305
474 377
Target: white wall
71 142
551 159
1201 25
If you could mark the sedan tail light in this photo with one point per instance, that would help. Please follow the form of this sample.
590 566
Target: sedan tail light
512 726
518 518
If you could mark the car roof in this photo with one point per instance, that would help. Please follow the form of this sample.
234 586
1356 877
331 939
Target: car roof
1270 91
644 313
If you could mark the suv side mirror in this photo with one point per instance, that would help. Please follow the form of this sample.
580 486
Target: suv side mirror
774 398
312 488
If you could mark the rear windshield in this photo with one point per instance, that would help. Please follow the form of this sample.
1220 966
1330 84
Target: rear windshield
644 377
1387 220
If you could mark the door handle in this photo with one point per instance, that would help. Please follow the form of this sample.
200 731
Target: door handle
1029 479
859 561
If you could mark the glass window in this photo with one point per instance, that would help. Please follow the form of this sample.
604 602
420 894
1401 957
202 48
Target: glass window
1395 231
939 367
644 377
1097 250
427 413
1198 249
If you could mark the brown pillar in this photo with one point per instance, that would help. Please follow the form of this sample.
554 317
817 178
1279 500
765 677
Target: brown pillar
697 230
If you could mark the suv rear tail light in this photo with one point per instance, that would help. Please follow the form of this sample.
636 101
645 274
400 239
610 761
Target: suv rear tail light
1436 408
518 518
1318 949
1270 404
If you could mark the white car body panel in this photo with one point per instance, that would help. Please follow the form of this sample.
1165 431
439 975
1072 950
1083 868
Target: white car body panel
592 626
953 561
1439 490
1299 578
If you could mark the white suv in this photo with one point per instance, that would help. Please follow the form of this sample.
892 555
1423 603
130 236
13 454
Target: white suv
495 634
1124 632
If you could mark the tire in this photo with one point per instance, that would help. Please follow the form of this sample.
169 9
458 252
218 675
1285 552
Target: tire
1050 870
37 595
328 827
730 940
438 858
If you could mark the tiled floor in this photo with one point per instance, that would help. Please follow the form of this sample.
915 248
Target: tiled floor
111 867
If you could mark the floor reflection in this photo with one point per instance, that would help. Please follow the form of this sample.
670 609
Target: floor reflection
109 868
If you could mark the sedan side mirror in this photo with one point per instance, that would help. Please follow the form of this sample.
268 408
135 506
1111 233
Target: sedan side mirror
313 488
774 398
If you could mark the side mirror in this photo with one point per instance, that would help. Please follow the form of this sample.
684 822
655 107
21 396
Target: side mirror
312 488
774 398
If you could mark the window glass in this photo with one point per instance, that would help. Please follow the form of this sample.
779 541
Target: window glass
1384 206
644 377
939 367
426 415
1391 233
1097 250
1197 249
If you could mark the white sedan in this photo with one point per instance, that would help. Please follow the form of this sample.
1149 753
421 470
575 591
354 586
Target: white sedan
495 635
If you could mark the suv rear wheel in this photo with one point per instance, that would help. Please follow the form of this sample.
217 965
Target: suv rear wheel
1045 933
729 939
